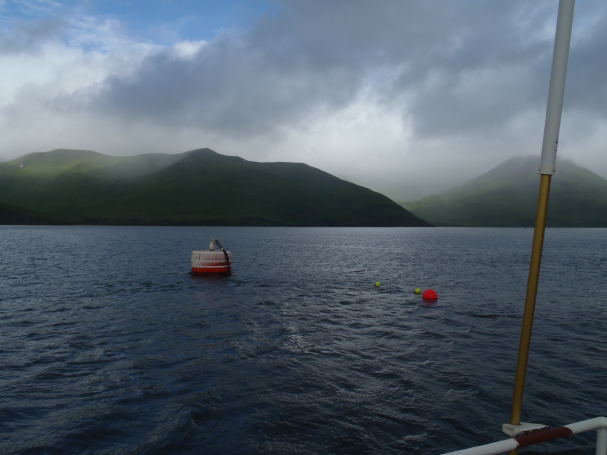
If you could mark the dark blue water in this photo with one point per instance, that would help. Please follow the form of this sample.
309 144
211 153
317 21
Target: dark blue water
109 345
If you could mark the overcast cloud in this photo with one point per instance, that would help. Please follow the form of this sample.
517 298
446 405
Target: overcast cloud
408 98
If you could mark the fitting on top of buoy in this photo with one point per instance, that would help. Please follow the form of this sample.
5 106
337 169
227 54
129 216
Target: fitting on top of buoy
430 294
377 284
418 291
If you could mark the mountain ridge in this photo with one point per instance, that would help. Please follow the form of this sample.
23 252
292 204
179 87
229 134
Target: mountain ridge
193 188
507 196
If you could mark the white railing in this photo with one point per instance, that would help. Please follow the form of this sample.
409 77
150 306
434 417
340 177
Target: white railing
495 448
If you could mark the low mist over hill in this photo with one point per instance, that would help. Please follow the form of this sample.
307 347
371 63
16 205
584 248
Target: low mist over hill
507 196
200 187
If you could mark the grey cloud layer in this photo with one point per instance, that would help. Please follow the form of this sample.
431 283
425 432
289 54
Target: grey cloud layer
381 92
229 86
457 68
27 37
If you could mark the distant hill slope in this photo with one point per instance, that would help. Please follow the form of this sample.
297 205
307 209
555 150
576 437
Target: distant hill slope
16 215
507 196
200 187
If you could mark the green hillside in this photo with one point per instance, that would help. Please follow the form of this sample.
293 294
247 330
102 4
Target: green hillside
200 187
17 215
507 196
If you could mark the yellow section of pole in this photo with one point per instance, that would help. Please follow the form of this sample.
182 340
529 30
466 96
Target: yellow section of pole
534 276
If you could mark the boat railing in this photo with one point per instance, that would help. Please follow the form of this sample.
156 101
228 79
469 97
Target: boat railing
598 423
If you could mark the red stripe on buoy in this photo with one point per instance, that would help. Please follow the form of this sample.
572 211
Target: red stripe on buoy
213 263
210 270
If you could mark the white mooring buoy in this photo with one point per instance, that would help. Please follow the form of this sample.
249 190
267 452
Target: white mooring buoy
211 261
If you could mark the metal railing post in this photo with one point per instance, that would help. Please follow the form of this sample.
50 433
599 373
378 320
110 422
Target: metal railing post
527 440
601 441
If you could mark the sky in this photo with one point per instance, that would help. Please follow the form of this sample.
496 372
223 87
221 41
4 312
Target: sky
407 97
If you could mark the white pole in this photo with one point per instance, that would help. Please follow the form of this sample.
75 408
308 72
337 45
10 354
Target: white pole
551 136
557 86
601 441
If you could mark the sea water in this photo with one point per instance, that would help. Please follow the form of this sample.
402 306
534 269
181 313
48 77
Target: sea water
109 345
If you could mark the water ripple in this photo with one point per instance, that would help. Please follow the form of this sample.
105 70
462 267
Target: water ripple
109 345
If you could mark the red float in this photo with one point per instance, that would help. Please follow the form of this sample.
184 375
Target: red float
430 294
